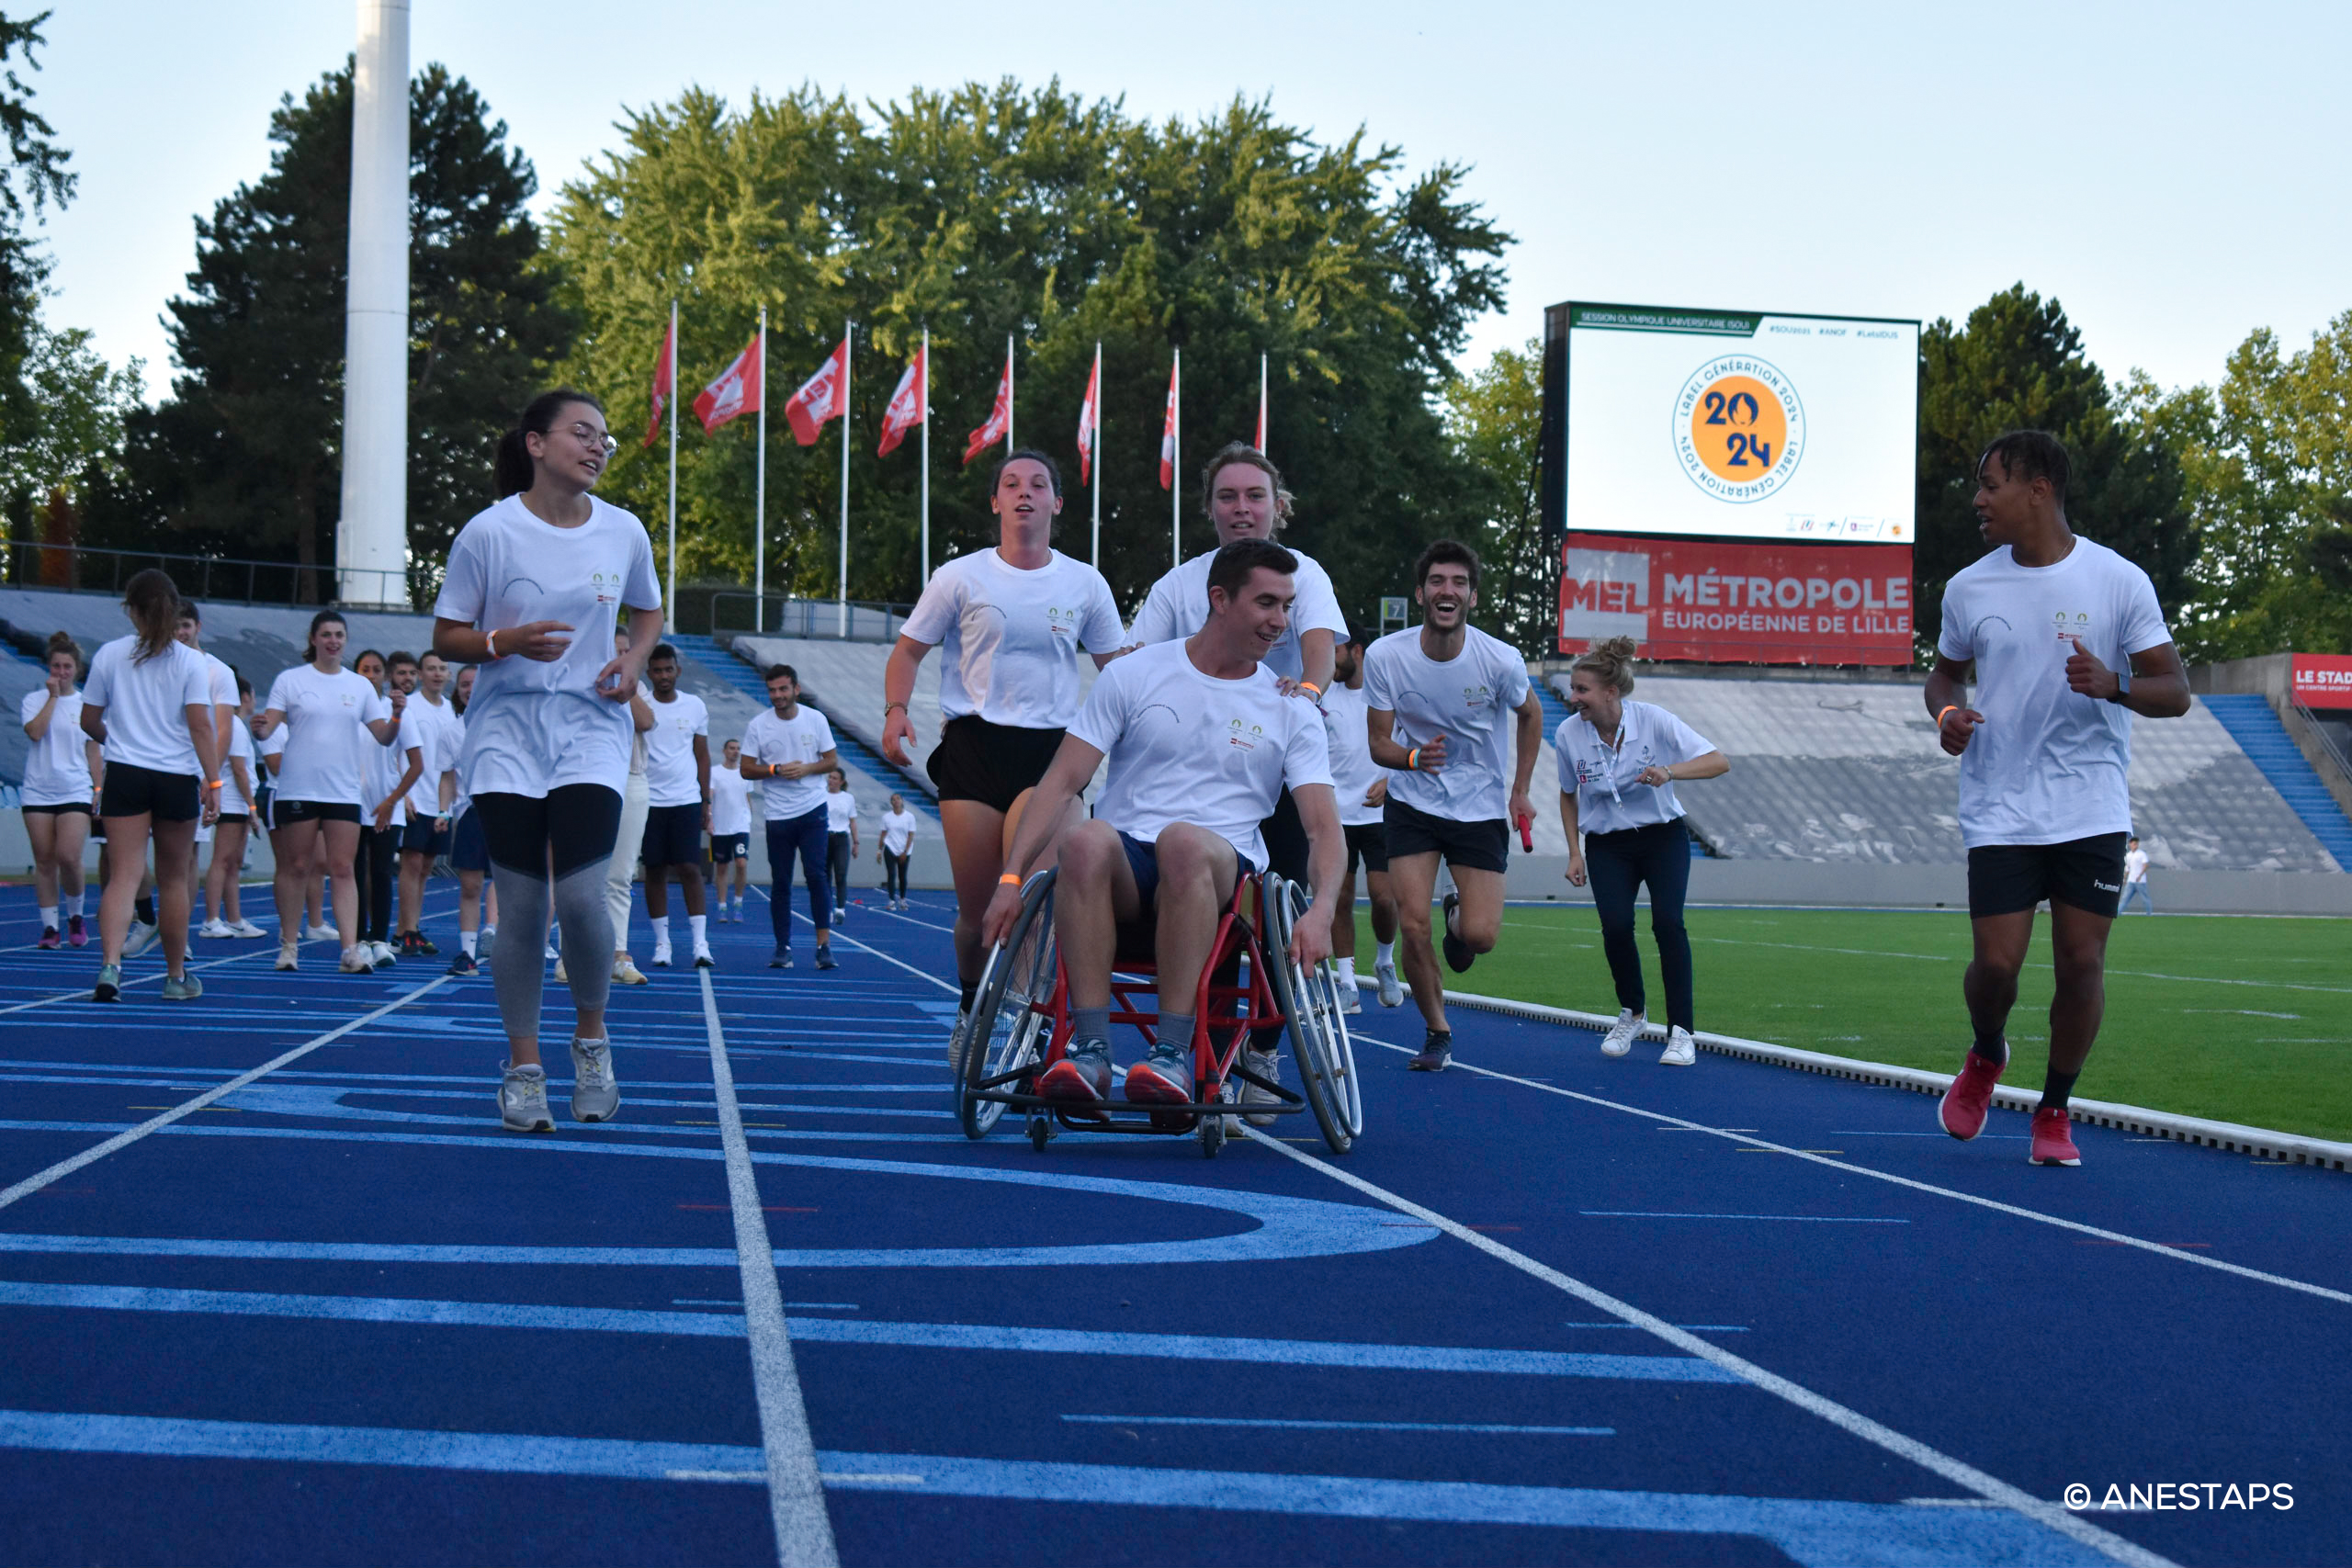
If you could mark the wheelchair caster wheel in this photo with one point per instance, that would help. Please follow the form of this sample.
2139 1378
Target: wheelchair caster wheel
1212 1135
1041 1133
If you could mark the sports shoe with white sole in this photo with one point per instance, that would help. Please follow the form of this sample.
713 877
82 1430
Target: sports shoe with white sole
1164 1078
561 977
214 930
1267 1065
109 986
661 956
595 1095
1436 1053
956 1043
703 960
1624 1032
522 1099
1966 1103
182 988
381 955
354 961
1083 1077
140 937
1351 998
1458 956
1392 994
289 957
244 929
626 973
1681 1051
2053 1144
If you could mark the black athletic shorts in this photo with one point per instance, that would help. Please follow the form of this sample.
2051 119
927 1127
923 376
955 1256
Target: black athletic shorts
285 813
725 847
991 763
2085 873
228 817
424 836
1480 846
141 791
1368 844
81 805
468 850
672 835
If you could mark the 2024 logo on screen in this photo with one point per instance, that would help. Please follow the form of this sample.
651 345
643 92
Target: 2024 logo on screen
1738 428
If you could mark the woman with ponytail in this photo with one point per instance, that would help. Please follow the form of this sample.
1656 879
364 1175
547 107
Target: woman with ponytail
534 592
148 707
61 788
1619 762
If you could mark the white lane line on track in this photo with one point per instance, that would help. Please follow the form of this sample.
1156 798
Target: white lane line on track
34 1183
862 947
1996 1205
804 1533
1991 1488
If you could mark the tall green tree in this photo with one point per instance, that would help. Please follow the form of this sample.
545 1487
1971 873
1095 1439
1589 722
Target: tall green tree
991 211
1495 417
2018 364
33 178
245 457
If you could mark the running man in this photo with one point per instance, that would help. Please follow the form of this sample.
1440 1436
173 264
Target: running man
1441 698
787 752
677 785
434 729
1201 738
2050 622
1362 790
730 829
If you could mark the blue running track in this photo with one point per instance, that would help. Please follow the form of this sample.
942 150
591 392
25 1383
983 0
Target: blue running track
1555 1307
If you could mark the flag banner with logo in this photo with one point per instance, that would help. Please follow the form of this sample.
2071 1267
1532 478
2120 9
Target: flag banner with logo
2323 680
1167 435
661 383
819 398
1089 421
906 410
1000 423
1735 603
740 390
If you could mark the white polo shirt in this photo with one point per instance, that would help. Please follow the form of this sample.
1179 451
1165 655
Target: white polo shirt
1606 780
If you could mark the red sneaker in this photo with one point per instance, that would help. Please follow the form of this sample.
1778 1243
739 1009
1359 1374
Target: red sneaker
2051 1143
48 942
1164 1078
1083 1077
1970 1097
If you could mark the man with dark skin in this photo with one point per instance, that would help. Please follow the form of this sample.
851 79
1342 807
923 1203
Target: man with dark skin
2046 623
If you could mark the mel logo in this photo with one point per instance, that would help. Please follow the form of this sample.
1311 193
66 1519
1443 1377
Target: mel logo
1738 428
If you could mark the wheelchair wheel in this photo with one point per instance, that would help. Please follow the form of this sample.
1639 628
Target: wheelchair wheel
1008 1028
1319 1031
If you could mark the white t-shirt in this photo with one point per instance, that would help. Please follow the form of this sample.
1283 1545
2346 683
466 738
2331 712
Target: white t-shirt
532 727
731 800
898 830
1178 605
385 764
1606 780
330 751
803 738
435 731
2047 765
1472 699
220 691
147 704
57 772
1353 772
1012 637
2135 865
233 800
841 810
1185 747
273 746
670 776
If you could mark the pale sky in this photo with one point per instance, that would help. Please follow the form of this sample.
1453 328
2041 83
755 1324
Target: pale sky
2170 173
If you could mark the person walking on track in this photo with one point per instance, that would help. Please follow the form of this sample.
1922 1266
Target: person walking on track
1618 762
432 720
233 831
730 829
2066 642
841 838
1362 791
534 590
635 801
149 706
1013 621
1442 699
899 829
677 783
787 752
60 790
393 770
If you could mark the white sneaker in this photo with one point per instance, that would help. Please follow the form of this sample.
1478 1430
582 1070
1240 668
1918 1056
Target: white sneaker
1391 994
1681 1051
1350 998
626 973
661 960
142 936
246 930
214 930
381 955
321 933
289 957
1266 1065
552 954
356 960
1624 1032
522 1099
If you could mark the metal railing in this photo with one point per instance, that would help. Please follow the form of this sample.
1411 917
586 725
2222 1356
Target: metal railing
738 613
83 569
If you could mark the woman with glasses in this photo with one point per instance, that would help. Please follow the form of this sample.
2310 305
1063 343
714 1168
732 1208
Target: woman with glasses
533 593
1619 762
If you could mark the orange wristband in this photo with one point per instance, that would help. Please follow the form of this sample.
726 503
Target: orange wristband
1010 879
1413 759
1310 687
490 641
1949 707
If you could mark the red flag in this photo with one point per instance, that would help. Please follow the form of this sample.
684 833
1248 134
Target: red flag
907 404
740 390
1167 436
661 383
1000 423
819 398
1090 420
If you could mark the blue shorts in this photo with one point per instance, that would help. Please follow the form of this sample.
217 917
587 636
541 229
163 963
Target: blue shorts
1142 858
468 850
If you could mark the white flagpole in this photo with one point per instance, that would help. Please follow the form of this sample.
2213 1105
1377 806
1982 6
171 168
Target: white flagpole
1008 391
760 495
922 396
1264 434
844 594
1094 455
673 465
1176 464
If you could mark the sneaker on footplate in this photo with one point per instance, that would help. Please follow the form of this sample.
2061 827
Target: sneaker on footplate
1437 1053
1458 956
1083 1077
1164 1078
522 1099
2053 1144
1392 994
595 1095
1968 1099
1624 1032
1267 1065
1680 1051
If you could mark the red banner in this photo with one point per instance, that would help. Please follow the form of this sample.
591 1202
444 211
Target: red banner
1735 603
2323 680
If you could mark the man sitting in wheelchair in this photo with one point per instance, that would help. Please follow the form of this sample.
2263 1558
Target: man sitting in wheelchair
1201 740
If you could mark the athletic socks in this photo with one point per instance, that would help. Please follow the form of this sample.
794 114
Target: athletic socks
1384 952
661 932
470 941
2056 1089
969 991
1176 1033
1347 972
73 906
1090 1023
1994 1049
145 909
49 917
695 926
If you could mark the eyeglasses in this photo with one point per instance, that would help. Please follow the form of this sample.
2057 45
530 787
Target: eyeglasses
591 436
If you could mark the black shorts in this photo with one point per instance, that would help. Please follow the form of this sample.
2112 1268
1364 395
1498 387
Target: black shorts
81 805
2087 872
1368 844
1477 846
469 850
672 835
285 813
226 818
424 836
725 847
990 763
143 791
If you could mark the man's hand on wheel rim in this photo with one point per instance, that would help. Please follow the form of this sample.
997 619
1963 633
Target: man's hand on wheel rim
996 920
1310 940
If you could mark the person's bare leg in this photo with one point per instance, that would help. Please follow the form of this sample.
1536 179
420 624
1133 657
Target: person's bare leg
296 847
41 831
1382 894
339 846
470 901
1478 917
126 868
1414 878
174 868
73 837
2078 952
239 836
976 840
690 888
1343 920
1990 986
657 892
1197 870
1094 891
413 865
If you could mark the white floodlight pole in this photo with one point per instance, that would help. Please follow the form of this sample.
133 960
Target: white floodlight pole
371 535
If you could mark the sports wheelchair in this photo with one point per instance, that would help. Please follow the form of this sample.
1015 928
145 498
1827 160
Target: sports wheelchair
1021 1024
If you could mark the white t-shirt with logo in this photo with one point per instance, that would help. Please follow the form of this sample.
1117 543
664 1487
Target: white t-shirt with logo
221 690
329 748
2135 865
1011 638
2047 765
384 766
56 770
670 775
1178 605
1353 772
898 830
235 802
1472 699
803 738
1186 746
147 705
841 810
532 727
435 731
1606 780
731 800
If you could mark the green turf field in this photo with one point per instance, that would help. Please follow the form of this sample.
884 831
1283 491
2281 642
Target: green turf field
2244 1020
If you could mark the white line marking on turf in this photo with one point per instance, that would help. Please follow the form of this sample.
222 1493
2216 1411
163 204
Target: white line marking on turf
2011 1209
1994 1490
804 1534
34 1183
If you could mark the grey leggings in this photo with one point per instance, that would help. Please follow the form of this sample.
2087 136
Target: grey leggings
549 856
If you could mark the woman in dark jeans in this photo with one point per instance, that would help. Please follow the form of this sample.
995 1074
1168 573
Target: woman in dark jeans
1619 762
